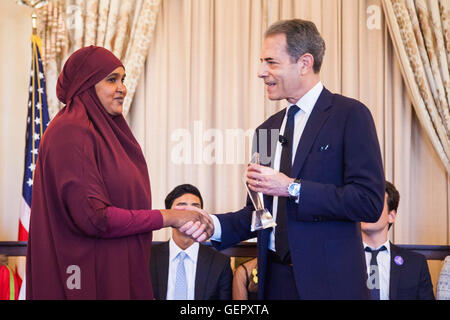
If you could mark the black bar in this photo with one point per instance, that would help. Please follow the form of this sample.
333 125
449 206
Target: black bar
13 248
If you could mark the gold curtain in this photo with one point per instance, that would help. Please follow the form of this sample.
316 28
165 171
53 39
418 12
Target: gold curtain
420 31
123 26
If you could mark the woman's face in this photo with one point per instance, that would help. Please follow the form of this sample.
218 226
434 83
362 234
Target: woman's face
111 91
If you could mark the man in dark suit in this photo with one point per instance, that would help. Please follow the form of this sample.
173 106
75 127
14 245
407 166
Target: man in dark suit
320 177
394 273
205 273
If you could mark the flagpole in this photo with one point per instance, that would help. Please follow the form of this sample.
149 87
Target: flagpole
33 4
37 122
34 22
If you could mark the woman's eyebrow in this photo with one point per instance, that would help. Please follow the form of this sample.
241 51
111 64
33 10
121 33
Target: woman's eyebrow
115 74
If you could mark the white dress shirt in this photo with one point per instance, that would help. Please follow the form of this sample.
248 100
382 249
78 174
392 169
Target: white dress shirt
190 264
384 267
306 105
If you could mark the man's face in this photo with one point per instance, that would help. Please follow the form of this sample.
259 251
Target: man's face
386 218
187 199
281 74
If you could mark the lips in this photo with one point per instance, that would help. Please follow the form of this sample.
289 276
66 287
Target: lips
270 86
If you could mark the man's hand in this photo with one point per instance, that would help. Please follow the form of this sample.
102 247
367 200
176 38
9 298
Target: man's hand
190 220
268 181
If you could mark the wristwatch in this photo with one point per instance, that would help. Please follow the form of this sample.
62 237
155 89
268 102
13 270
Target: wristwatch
294 190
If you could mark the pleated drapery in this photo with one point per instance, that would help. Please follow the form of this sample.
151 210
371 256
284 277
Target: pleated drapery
124 27
420 31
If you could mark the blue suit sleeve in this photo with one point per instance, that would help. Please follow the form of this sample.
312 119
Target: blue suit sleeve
235 227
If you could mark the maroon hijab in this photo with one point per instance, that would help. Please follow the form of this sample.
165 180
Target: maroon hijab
88 161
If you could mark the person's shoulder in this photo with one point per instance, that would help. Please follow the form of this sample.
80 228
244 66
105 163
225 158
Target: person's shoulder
276 117
216 254
62 136
253 263
67 131
347 103
157 247
408 255
158 251
350 108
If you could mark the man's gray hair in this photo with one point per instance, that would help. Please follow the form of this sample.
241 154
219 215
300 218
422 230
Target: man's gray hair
301 37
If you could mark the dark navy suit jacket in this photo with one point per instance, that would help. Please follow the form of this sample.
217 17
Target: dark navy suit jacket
213 279
339 163
410 279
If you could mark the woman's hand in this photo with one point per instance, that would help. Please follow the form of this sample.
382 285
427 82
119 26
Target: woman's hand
192 221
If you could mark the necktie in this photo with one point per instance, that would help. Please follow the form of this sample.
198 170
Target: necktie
374 275
281 238
180 279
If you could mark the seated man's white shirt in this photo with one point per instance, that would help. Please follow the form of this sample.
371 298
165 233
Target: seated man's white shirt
384 267
190 264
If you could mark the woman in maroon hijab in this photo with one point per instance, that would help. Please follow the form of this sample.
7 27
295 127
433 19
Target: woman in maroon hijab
91 222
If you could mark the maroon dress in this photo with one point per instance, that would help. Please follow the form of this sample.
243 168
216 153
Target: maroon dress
91 219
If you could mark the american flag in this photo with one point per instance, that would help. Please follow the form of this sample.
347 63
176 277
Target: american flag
37 122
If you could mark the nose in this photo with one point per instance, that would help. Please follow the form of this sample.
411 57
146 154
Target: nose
122 88
262 71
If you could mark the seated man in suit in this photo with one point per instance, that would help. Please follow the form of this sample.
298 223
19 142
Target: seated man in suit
393 273
182 269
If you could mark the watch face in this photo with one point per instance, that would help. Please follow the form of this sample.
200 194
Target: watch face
294 189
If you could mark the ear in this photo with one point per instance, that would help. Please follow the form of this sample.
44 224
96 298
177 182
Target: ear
391 216
305 63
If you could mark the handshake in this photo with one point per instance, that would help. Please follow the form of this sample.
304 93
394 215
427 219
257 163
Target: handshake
192 221
196 223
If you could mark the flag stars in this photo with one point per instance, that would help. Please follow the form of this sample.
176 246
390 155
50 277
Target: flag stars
36 119
32 167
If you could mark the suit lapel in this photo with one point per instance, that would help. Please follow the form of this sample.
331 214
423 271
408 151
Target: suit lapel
268 134
394 274
202 272
264 138
163 270
315 122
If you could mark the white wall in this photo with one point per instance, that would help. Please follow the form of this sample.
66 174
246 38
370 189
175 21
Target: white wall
15 62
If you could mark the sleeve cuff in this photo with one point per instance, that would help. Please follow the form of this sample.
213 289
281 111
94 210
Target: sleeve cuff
217 235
